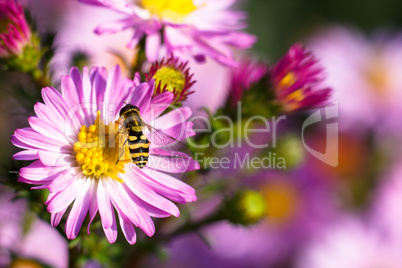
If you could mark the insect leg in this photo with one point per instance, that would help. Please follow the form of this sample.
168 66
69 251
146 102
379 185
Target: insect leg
121 152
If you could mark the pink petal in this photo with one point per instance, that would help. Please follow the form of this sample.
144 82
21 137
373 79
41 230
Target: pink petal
148 195
173 118
158 105
26 155
47 129
179 132
16 142
64 179
128 231
39 172
142 96
115 26
45 113
169 186
111 233
172 165
146 223
36 140
124 205
152 44
56 103
154 211
55 218
55 159
93 208
64 198
105 207
79 211
69 91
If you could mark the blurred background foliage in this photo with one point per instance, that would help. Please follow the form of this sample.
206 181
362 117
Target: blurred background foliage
279 24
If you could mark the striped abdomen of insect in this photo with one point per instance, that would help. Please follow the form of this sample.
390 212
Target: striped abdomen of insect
138 145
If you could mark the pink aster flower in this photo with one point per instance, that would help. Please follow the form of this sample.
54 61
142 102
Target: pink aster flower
14 29
171 75
200 28
297 80
70 141
244 76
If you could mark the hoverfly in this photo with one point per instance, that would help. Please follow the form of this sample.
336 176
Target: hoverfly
133 128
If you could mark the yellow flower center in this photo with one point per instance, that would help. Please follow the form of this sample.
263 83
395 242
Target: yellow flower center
377 75
281 201
24 263
174 10
172 78
99 150
288 80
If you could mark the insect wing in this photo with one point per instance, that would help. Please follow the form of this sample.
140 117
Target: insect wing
119 139
165 145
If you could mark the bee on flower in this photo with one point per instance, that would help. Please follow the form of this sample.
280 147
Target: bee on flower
70 140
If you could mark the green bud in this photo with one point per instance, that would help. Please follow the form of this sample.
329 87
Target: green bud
244 207
291 149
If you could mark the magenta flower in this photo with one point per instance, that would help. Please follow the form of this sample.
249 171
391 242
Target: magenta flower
199 28
244 76
68 140
297 79
14 29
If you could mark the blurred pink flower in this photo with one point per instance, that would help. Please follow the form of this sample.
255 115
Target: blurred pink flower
244 76
387 209
40 242
106 50
297 81
200 28
67 141
351 243
14 30
298 209
365 75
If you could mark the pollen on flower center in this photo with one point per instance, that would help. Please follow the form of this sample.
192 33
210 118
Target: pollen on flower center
172 78
288 80
99 153
174 10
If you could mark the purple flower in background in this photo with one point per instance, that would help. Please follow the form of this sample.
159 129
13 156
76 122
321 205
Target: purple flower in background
27 238
365 73
387 202
14 30
244 76
70 141
201 28
298 209
297 80
351 243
